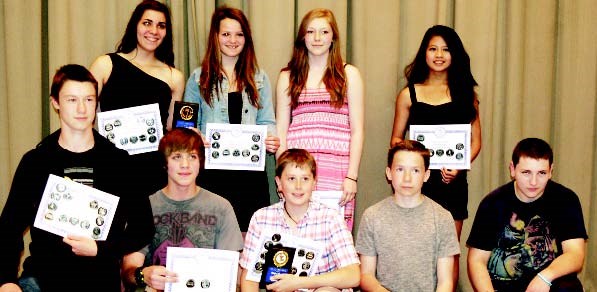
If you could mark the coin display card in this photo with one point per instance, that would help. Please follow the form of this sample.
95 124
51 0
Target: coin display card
202 269
185 114
238 147
71 208
306 256
135 129
450 145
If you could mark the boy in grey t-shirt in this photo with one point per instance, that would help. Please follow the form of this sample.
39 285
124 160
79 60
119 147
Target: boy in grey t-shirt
184 214
407 242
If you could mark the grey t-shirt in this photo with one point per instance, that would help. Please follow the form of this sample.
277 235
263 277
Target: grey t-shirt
407 243
206 221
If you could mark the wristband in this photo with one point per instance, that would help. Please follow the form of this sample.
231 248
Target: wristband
352 179
139 277
544 279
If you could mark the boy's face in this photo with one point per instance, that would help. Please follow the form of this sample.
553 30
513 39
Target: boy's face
531 176
183 168
76 105
407 173
296 184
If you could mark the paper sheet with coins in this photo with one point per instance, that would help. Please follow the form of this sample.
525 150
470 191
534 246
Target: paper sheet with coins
450 145
71 208
235 146
135 129
307 254
202 269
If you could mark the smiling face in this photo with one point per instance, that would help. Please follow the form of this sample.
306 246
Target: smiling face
318 37
76 105
296 184
530 178
151 30
407 173
438 55
183 168
231 38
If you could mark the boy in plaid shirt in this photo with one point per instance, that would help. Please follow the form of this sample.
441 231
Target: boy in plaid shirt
297 215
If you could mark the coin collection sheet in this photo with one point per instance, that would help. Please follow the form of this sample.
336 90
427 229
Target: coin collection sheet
235 146
450 145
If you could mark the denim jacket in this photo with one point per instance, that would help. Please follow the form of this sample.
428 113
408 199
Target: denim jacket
218 111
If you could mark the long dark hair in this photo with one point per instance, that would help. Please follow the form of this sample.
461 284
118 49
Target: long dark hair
461 82
334 77
128 43
245 67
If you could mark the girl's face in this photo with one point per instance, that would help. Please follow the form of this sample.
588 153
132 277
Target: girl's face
231 38
151 30
438 55
319 37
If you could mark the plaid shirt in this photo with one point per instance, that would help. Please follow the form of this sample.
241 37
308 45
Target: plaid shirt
320 223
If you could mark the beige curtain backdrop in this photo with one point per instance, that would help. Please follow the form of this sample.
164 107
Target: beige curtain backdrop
535 62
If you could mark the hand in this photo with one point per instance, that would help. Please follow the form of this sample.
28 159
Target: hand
10 287
272 143
156 277
537 285
81 245
349 191
285 282
448 175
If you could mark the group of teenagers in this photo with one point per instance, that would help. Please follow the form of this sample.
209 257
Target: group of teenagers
528 235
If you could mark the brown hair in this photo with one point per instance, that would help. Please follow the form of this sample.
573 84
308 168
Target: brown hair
410 146
297 157
72 72
211 66
181 139
334 77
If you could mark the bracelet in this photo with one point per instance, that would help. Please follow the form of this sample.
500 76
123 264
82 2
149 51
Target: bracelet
544 279
352 179
139 277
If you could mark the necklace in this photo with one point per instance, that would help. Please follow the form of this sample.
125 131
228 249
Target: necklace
295 222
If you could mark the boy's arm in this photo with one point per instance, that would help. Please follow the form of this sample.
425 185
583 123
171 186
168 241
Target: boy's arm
345 277
445 267
246 285
570 261
477 269
368 280
130 263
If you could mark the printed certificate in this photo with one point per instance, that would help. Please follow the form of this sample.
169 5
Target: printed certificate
450 145
202 269
135 129
330 199
71 208
239 147
306 257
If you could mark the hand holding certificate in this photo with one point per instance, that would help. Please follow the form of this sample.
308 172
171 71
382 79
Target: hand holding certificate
135 129
238 147
68 207
201 269
450 145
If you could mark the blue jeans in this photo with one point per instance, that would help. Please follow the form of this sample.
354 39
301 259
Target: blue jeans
29 284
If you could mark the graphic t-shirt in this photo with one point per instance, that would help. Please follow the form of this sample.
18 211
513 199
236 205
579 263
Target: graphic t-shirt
205 221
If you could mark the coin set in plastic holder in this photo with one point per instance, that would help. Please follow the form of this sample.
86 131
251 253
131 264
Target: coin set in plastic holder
253 152
302 261
57 209
149 134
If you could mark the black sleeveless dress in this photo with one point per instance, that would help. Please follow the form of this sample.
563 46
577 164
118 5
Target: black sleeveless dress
129 86
452 196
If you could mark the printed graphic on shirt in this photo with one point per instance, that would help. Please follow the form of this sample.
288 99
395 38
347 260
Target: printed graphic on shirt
523 248
182 229
82 175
